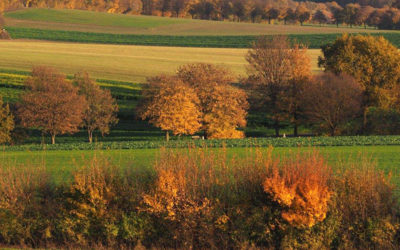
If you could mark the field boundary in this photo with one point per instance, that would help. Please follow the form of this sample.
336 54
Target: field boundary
314 41
229 143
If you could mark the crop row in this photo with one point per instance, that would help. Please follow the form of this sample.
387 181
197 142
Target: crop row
312 40
231 143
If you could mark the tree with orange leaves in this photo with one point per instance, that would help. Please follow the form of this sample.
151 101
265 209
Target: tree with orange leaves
102 109
226 113
224 107
171 105
51 103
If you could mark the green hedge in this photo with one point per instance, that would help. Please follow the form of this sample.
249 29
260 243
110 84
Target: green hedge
232 143
312 40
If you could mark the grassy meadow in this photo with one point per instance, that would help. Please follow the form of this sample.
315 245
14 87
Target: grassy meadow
118 62
60 163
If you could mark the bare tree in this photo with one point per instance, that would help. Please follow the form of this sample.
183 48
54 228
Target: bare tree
332 100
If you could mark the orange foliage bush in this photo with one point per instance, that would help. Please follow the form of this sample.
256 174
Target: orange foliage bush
188 218
367 207
301 188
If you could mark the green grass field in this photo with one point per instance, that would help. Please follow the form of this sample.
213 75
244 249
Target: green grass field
60 163
118 62
98 22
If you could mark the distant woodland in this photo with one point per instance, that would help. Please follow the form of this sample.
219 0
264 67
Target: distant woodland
382 14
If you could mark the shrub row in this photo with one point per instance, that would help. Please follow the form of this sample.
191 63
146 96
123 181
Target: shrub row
201 200
314 41
231 143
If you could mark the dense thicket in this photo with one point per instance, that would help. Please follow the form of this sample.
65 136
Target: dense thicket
382 14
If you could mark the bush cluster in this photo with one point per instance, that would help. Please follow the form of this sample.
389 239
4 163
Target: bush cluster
198 198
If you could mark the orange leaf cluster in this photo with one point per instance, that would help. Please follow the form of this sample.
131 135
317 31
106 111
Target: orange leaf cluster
302 190
172 202
199 97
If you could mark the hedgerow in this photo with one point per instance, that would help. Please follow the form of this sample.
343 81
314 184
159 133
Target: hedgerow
201 199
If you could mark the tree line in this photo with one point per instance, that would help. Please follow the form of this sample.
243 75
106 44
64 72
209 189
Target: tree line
381 14
358 93
56 106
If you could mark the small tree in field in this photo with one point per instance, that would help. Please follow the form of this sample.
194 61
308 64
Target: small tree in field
6 123
331 101
101 111
51 103
171 105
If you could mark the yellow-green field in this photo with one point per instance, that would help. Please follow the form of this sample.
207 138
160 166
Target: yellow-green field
89 21
118 62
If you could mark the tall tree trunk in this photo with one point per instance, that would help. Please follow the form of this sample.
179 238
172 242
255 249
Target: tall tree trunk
276 126
90 134
269 20
295 129
364 125
333 129
167 135
53 139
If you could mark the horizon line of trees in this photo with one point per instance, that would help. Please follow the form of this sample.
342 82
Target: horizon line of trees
379 14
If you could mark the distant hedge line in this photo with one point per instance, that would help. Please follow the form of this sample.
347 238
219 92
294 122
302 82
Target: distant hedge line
231 143
312 40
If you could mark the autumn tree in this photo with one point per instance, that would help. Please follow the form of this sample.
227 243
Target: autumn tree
373 61
321 16
51 103
276 71
212 85
337 14
302 14
171 105
226 113
272 13
292 96
350 13
362 15
6 123
332 100
101 110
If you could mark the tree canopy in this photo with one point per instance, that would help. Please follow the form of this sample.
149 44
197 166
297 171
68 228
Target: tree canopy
51 103
101 110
